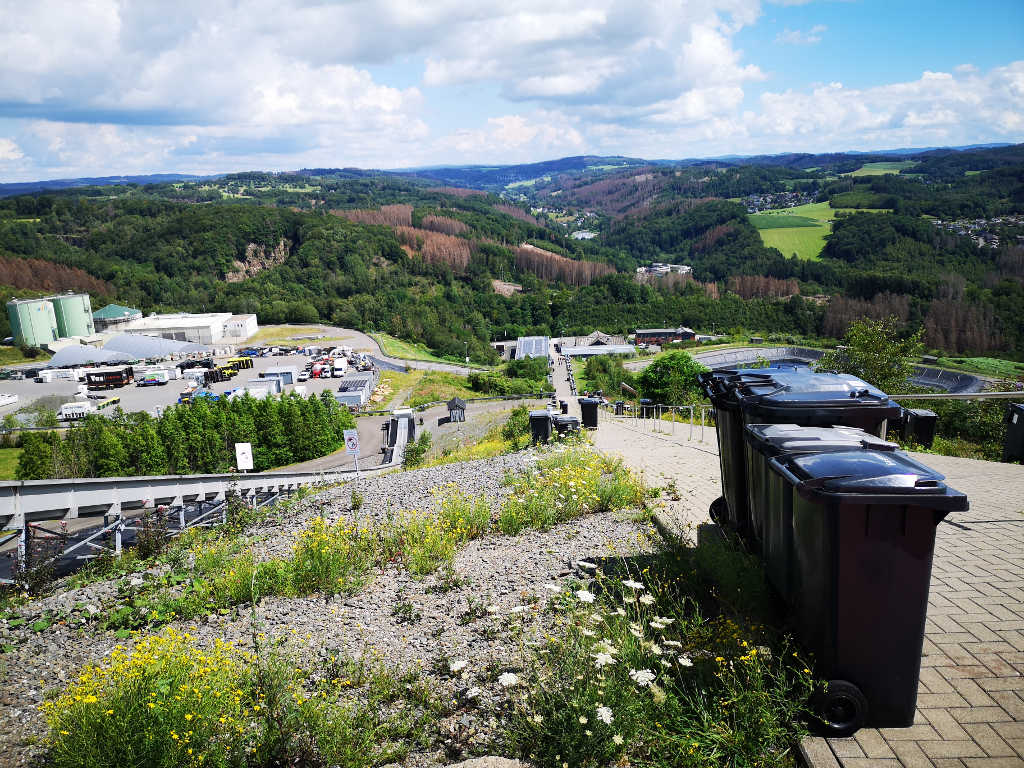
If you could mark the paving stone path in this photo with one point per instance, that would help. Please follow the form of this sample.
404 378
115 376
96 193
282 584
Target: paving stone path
971 697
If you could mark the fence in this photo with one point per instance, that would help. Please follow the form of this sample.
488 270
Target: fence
654 418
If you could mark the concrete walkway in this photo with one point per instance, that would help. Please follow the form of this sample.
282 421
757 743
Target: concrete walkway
971 697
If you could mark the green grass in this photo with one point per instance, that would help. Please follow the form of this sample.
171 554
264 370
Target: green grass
13 356
877 169
800 230
8 462
806 242
406 350
776 221
986 366
435 386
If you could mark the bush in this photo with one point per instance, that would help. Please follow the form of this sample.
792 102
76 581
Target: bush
671 379
517 427
416 452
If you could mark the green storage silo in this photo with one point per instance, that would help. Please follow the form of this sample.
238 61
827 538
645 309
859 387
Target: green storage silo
74 315
33 323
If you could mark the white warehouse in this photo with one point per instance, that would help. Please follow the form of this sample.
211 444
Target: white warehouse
209 328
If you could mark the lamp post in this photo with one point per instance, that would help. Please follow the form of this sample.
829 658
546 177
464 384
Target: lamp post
467 351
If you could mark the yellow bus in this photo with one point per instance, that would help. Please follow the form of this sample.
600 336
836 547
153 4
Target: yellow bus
110 402
240 363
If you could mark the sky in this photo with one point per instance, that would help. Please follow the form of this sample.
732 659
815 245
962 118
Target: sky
108 87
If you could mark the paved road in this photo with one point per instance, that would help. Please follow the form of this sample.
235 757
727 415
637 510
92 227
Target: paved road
971 696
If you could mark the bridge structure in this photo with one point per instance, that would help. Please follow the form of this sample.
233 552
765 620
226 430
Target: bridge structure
95 515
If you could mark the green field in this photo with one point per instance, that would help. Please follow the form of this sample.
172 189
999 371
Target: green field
8 462
800 230
805 242
771 221
877 169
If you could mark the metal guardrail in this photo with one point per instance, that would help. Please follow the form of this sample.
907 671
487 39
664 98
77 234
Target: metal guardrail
688 425
961 396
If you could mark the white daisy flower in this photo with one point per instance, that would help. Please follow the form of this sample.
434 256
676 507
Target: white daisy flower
636 585
604 714
585 596
685 661
646 599
618 740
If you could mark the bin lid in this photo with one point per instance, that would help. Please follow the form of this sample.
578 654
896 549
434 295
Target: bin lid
809 389
540 414
866 473
774 439
590 401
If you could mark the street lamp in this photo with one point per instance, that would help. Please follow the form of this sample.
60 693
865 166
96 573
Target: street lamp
467 351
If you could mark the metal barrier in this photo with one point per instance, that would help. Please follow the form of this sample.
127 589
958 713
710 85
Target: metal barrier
688 425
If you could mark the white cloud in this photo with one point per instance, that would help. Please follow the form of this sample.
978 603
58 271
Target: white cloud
797 37
9 151
107 86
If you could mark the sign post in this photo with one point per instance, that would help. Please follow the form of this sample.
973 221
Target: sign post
352 446
243 456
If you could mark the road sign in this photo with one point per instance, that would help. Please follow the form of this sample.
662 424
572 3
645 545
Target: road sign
243 456
352 441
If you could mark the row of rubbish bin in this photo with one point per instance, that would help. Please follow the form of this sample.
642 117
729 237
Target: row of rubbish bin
545 423
844 523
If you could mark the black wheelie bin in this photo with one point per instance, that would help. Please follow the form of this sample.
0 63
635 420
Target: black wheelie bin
588 412
863 537
759 396
769 497
540 426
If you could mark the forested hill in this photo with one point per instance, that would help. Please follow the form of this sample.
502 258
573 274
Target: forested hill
422 269
939 244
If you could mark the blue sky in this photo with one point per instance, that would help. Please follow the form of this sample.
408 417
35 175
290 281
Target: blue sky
202 86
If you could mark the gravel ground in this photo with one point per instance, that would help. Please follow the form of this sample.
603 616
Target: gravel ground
484 617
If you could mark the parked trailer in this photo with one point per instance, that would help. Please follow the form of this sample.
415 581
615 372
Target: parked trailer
109 378
240 363
75 411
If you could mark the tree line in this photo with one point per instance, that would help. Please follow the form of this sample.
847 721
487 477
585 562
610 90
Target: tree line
195 438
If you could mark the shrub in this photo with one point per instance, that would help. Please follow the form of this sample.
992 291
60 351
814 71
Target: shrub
672 379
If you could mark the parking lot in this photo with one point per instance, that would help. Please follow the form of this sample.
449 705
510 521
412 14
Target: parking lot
154 398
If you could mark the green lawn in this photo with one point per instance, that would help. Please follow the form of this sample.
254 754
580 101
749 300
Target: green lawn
405 350
8 462
986 366
877 169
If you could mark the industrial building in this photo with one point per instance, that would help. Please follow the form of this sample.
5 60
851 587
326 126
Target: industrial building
33 322
114 317
73 312
664 335
599 349
532 346
206 328
40 322
355 389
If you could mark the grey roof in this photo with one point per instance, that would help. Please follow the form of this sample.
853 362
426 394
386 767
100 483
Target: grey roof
140 346
532 346
80 354
599 349
456 403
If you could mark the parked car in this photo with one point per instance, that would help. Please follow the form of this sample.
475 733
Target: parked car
303 375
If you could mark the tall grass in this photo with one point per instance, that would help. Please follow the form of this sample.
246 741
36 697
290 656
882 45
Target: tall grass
646 669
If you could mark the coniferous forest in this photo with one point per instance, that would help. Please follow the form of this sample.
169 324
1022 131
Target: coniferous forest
197 438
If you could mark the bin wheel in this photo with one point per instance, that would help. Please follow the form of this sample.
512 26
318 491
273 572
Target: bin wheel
841 708
718 512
